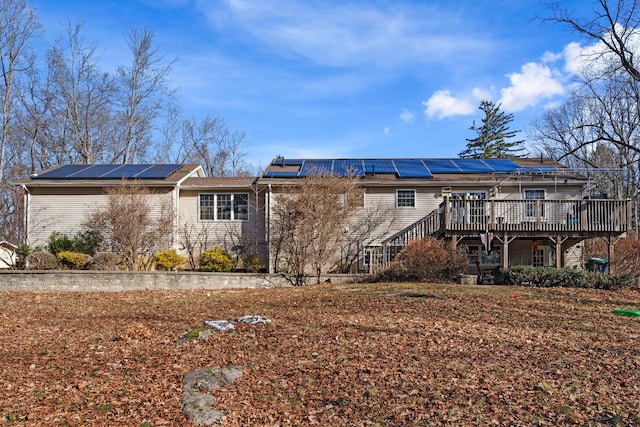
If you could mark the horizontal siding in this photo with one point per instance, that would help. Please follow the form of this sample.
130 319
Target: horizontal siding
67 211
384 200
226 233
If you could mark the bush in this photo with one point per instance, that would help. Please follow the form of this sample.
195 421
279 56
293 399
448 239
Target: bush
106 261
74 260
168 260
86 242
428 260
59 242
42 261
252 264
216 259
564 277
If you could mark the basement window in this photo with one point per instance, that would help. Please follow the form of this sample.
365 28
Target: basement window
406 198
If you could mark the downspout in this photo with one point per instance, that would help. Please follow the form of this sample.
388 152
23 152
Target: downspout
268 228
176 216
27 205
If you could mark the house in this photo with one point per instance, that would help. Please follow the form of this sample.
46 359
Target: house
8 255
502 211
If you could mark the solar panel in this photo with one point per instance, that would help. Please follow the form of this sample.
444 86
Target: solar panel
372 166
414 168
63 172
442 166
472 166
502 165
123 171
287 162
158 171
92 172
349 167
110 172
316 167
280 174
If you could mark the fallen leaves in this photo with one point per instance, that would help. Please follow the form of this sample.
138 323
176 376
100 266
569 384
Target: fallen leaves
358 355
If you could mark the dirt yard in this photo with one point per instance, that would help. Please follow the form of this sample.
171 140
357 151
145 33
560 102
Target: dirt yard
334 355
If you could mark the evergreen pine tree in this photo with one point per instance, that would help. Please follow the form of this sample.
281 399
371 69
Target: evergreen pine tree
495 139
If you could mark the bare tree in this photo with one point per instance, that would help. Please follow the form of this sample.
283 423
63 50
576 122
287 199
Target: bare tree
18 27
143 93
208 142
128 223
310 222
597 127
193 240
369 225
83 100
614 27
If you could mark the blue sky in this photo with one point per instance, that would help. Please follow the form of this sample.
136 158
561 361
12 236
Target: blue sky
350 78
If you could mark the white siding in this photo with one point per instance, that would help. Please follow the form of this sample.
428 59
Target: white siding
231 234
66 210
384 199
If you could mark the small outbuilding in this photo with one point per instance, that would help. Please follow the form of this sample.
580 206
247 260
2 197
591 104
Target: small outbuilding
8 255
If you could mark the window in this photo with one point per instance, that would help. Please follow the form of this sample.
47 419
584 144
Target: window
531 207
406 198
207 206
241 206
219 207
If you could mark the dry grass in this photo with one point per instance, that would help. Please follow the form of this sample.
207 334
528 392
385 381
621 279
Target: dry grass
356 355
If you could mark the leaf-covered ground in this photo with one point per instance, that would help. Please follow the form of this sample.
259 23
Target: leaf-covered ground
339 355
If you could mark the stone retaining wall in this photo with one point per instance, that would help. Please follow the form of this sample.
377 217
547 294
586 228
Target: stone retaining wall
94 281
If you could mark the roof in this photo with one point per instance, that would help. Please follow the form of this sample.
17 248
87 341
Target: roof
8 245
99 174
415 168
217 182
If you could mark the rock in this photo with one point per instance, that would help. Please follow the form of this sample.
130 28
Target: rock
197 405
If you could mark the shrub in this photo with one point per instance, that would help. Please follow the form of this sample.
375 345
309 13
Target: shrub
168 260
74 260
252 264
106 261
428 260
88 242
42 261
216 259
563 277
59 242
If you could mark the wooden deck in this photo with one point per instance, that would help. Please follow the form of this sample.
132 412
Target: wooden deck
525 218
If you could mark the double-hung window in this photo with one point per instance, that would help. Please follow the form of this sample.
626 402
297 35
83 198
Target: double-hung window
221 207
406 198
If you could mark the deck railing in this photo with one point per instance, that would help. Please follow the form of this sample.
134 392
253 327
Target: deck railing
536 215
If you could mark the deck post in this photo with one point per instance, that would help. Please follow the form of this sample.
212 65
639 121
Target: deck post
505 251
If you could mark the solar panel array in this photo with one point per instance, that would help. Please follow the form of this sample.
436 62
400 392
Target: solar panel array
141 171
402 168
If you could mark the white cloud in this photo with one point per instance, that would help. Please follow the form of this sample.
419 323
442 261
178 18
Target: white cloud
536 81
348 33
386 131
481 94
407 116
548 57
442 104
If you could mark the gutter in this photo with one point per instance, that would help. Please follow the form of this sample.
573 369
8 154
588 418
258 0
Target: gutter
268 227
